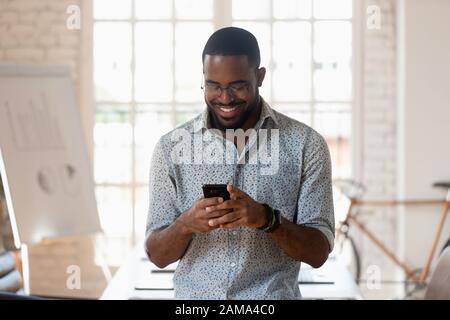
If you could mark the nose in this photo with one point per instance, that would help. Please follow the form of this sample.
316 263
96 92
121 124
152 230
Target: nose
225 97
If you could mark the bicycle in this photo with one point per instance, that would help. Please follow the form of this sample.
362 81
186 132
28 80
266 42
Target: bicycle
354 191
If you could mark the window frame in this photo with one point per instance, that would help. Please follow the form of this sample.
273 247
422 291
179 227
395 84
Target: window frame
222 16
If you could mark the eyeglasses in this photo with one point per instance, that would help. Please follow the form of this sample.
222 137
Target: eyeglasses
235 89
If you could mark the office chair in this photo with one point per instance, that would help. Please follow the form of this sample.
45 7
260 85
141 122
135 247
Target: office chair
439 286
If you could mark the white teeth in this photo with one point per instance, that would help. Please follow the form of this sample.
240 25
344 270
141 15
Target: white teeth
228 110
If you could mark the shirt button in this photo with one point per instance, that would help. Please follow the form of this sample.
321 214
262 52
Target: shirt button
233 264
234 233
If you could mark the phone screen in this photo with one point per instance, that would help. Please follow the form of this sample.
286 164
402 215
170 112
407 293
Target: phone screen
216 190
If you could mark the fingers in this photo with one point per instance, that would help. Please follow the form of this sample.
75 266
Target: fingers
234 224
217 213
229 204
235 193
206 202
225 219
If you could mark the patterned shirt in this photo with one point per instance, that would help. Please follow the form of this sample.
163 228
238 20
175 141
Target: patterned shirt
294 177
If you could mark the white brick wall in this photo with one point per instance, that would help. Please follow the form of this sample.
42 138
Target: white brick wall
379 139
35 32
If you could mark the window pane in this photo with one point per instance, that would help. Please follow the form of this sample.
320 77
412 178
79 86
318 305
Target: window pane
112 9
141 211
112 61
113 140
291 9
292 61
332 9
333 121
151 122
299 112
115 210
192 108
332 55
331 84
333 42
194 9
153 74
186 113
153 9
190 38
183 117
251 9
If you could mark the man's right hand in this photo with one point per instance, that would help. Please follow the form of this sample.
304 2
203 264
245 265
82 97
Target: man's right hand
195 220
169 244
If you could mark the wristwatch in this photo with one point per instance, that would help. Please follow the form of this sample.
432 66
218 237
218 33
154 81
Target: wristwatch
273 219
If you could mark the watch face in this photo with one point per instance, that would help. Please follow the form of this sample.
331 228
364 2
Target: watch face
277 221
278 215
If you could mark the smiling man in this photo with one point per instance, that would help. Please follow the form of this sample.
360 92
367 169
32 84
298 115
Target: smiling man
251 246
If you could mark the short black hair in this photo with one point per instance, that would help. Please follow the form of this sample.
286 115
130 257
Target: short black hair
232 41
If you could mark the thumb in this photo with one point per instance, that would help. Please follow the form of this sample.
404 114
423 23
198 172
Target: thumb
235 192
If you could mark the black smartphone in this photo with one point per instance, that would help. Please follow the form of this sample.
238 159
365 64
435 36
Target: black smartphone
216 190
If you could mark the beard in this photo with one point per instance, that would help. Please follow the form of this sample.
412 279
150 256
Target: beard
218 123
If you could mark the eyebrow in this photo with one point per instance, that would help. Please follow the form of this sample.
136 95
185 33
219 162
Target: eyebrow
233 82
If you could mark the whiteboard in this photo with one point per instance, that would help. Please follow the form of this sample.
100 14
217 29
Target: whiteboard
43 156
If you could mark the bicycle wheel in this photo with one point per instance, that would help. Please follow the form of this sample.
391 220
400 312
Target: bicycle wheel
348 253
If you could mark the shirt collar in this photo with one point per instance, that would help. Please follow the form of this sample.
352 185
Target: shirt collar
204 121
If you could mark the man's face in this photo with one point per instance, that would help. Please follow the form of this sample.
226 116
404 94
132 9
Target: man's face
231 108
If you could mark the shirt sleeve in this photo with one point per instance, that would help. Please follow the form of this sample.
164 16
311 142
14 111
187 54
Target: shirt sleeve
315 202
163 208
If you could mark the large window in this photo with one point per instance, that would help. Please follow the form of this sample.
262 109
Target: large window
147 75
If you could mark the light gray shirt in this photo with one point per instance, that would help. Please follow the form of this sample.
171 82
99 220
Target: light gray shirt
285 164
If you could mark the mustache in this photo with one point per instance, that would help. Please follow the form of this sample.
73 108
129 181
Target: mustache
231 104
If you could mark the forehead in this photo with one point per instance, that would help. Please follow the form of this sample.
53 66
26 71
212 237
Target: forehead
226 68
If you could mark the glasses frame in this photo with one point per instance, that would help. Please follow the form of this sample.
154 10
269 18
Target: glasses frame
215 90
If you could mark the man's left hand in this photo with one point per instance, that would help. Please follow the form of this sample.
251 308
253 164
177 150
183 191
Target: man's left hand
244 211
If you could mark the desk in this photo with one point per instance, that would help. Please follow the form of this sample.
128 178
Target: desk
122 286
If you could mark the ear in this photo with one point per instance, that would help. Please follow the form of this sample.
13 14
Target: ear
260 74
